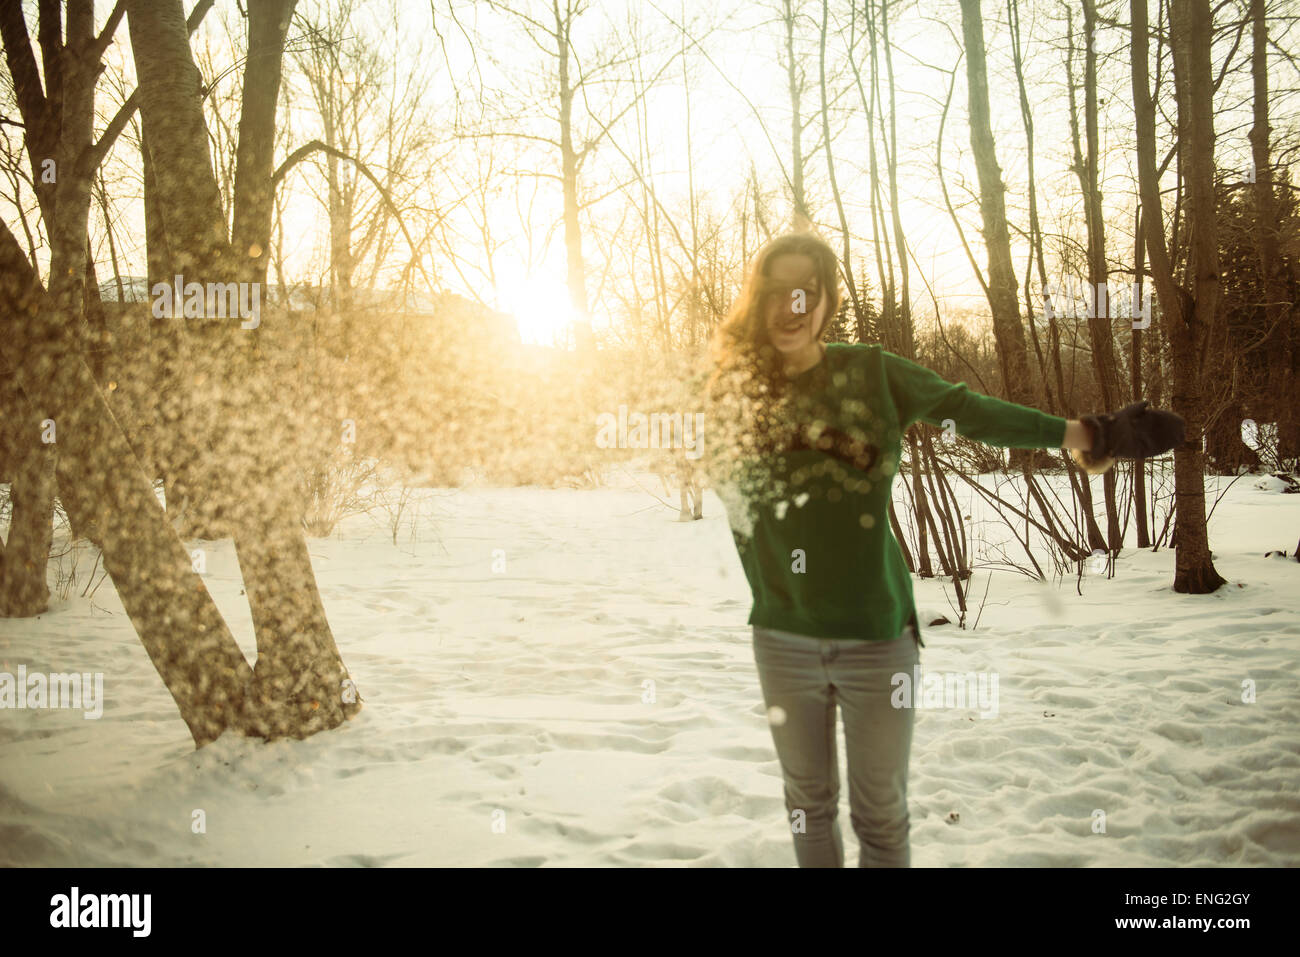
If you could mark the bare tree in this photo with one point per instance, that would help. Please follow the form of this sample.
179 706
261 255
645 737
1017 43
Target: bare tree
58 122
299 685
1278 304
1186 313
1086 167
582 124
1001 285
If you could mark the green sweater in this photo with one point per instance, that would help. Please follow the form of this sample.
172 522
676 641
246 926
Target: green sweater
811 524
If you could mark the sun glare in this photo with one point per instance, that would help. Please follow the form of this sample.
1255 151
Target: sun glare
540 305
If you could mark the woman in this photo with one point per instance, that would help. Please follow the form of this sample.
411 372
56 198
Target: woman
804 441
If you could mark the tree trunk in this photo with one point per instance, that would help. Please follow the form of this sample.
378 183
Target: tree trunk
103 485
1135 372
1101 330
1049 364
1007 329
859 314
59 128
268 25
1185 316
569 159
799 213
1282 384
24 557
300 685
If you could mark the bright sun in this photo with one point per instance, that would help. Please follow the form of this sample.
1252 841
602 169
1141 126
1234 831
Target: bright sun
541 309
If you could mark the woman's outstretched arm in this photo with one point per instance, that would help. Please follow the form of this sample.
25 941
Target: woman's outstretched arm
1095 441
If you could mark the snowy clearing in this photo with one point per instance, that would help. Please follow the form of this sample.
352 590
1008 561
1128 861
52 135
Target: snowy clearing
594 701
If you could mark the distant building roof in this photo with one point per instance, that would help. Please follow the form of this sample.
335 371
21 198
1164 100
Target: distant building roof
302 297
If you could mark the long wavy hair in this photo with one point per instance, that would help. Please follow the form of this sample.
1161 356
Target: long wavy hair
747 388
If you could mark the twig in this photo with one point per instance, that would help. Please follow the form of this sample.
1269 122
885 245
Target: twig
982 600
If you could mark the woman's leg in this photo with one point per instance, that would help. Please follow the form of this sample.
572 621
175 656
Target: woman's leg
878 741
792 670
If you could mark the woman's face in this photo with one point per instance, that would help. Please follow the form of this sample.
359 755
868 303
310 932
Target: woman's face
793 303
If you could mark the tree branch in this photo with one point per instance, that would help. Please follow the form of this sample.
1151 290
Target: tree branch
316 146
22 68
106 36
94 155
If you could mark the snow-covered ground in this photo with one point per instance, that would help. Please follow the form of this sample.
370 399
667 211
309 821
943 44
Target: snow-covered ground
594 701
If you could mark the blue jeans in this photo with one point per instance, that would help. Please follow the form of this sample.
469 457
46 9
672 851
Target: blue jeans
805 677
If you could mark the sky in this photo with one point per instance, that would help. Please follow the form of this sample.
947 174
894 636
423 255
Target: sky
734 48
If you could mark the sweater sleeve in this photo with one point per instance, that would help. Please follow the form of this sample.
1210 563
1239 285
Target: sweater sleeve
921 395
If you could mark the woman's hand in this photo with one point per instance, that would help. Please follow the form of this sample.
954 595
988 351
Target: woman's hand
1077 436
